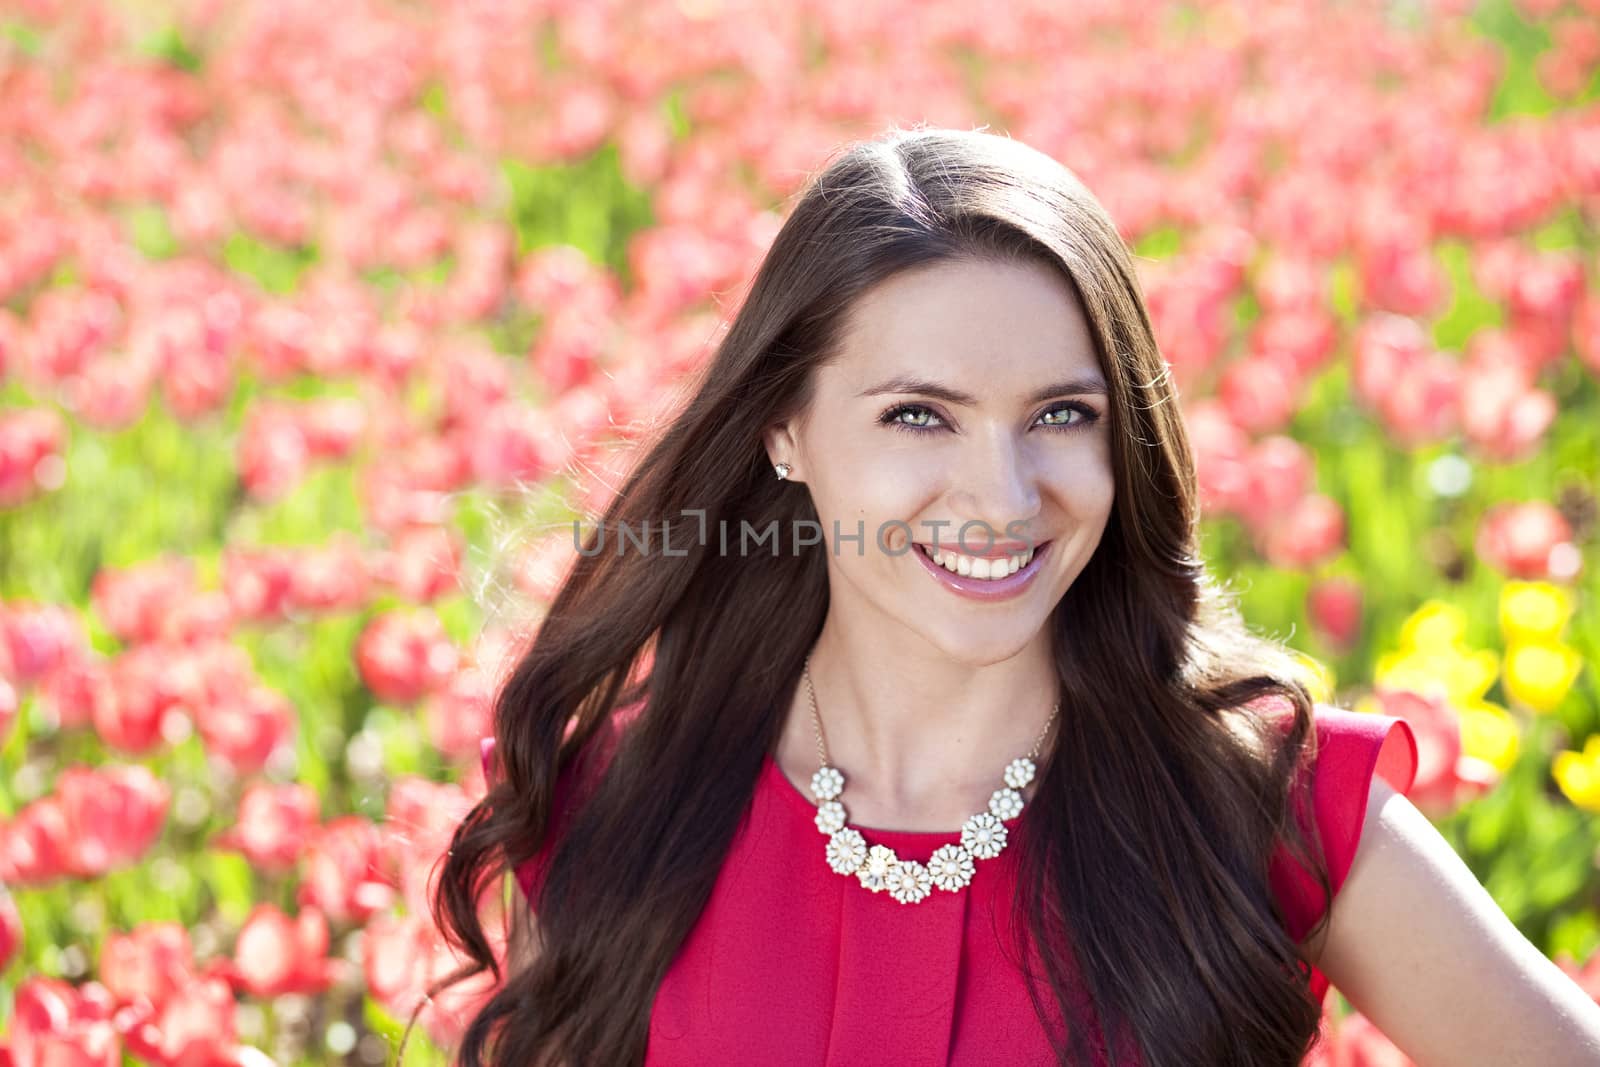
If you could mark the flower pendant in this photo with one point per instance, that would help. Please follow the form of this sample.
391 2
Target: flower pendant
950 868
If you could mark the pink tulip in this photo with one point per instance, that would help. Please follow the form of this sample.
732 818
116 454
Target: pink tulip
1399 274
1358 1043
1312 531
11 340
10 929
1446 777
132 601
134 701
1530 540
8 708
35 845
36 639
1502 415
151 962
279 338
420 819
584 416
276 954
257 582
114 814
54 1024
565 354
332 426
244 728
1260 393
1419 407
110 393
393 498
1547 287
200 618
1334 607
272 455
1221 456
403 956
68 693
472 380
1281 473
1303 338
1289 282
1566 67
1586 324
516 445
193 1028
342 871
330 578
273 826
397 351
404 657
423 564
461 713
1386 346
67 329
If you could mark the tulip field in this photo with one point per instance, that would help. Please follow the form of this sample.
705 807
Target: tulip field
319 324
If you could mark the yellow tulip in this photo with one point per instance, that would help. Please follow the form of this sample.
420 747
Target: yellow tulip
1533 611
1317 676
1539 675
1490 733
1434 625
1578 774
1463 674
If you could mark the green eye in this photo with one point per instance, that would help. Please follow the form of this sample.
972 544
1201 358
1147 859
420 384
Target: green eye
1056 418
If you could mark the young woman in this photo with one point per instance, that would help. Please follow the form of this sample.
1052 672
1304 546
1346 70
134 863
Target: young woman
989 772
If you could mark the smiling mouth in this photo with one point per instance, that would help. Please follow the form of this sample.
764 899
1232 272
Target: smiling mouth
979 567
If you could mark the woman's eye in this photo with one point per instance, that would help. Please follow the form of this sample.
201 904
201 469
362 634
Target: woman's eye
1085 415
915 418
897 416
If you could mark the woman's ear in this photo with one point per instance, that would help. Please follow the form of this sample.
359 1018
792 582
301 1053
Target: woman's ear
780 443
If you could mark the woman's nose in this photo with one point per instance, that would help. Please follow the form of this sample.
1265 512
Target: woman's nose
998 483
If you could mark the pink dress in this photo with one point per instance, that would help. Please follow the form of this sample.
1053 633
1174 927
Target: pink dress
791 963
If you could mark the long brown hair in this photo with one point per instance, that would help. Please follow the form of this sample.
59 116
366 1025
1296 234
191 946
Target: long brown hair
1146 850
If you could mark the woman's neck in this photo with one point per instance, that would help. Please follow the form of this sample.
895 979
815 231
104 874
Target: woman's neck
922 739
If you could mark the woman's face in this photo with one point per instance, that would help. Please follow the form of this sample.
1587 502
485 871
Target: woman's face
965 392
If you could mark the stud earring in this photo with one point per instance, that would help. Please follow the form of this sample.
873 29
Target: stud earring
783 470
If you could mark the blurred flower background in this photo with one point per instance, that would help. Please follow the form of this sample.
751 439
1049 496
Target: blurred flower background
319 323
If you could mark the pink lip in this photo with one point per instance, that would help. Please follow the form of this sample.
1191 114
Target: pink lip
987 589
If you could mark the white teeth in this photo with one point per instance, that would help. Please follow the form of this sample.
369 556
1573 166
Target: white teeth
974 567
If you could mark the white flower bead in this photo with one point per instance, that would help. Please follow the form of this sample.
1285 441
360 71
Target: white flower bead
1019 772
983 835
1005 804
909 882
846 851
826 784
830 817
950 867
874 870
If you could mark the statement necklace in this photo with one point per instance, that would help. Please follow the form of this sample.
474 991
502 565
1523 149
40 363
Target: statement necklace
983 836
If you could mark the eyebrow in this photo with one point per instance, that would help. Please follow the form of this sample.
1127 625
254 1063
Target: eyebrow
905 383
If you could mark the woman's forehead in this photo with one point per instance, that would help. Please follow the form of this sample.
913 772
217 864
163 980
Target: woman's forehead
983 329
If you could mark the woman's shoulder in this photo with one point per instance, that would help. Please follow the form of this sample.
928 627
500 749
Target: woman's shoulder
1353 748
597 750
572 783
1346 739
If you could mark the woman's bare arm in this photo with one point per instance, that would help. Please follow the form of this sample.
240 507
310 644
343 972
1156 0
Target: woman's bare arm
1419 947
